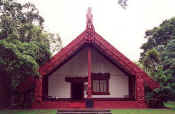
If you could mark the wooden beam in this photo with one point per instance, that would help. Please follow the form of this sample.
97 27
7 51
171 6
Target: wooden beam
131 87
89 91
76 79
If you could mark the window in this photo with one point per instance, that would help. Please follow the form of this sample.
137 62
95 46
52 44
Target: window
100 83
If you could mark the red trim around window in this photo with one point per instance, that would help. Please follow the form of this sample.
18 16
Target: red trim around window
101 76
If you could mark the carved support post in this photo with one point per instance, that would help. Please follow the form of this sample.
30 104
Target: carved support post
89 91
38 90
140 95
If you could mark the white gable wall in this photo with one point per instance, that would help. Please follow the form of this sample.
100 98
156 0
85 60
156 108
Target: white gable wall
118 83
78 67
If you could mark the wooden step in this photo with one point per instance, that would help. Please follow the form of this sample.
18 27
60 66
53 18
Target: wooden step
85 111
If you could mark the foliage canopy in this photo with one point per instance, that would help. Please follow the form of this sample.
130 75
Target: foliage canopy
158 58
24 45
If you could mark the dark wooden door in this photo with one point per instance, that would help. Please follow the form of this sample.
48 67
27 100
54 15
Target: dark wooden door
77 91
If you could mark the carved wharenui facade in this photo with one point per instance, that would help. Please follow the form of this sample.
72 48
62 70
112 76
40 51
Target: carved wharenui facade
90 72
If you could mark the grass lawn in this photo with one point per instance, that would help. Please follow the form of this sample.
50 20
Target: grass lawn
115 111
28 111
144 111
170 105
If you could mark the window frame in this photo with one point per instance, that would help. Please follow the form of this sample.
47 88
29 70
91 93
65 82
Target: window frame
100 76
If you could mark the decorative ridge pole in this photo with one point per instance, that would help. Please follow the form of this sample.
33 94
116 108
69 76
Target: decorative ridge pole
89 18
90 31
89 38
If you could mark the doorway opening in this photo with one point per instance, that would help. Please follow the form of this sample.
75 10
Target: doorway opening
77 87
77 91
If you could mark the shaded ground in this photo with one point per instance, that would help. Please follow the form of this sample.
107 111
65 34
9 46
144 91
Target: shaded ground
28 111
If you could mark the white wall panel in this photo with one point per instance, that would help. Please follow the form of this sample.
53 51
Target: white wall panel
78 66
118 83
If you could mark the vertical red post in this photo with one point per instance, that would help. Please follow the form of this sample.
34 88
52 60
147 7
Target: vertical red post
38 90
140 96
89 91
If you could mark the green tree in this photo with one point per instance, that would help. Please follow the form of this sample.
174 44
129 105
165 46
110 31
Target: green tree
14 16
24 45
158 37
18 60
151 61
168 58
158 58
157 40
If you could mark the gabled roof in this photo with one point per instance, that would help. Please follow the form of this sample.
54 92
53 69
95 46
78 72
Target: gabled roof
89 36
